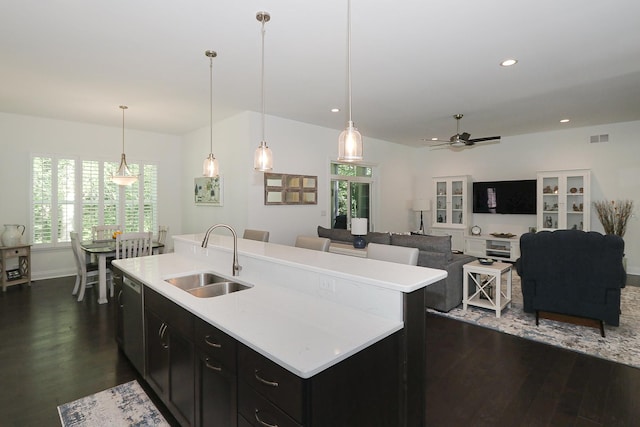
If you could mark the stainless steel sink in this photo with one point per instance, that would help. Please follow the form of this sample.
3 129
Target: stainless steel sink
206 285
195 280
217 289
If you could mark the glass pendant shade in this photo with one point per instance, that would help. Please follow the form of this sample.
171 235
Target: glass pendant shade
350 145
263 158
210 166
123 176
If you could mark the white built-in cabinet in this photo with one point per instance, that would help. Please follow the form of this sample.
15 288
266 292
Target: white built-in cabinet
564 200
452 208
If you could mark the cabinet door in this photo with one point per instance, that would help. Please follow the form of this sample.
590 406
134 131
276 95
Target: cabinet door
157 353
181 375
117 288
216 393
564 200
441 216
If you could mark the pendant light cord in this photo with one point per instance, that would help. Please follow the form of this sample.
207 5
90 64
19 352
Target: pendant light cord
211 104
123 107
262 77
349 55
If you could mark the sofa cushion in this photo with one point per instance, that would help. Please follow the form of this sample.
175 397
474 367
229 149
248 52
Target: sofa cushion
425 243
335 234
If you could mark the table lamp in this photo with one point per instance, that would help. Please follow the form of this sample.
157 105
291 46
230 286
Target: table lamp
359 229
421 205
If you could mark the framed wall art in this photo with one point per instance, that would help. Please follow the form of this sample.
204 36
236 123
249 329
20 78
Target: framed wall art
285 189
209 191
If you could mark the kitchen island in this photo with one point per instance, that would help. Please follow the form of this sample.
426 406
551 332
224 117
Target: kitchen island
348 332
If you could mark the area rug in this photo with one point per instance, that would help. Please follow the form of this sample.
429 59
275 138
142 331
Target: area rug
620 344
123 405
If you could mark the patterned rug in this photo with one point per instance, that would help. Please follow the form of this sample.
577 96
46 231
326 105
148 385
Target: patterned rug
620 345
124 405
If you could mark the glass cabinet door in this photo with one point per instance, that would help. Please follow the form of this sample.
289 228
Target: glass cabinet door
564 200
441 202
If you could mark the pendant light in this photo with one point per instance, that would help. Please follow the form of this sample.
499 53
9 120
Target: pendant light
210 166
350 141
124 175
263 158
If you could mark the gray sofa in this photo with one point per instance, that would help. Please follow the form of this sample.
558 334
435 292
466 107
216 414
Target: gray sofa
435 252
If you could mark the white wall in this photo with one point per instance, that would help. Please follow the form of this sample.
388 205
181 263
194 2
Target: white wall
403 173
615 171
21 136
298 148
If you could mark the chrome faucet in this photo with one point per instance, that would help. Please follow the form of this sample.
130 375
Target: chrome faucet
236 267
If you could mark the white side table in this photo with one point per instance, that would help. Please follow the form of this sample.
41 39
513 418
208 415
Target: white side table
488 283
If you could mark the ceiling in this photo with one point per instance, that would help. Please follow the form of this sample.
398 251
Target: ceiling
415 63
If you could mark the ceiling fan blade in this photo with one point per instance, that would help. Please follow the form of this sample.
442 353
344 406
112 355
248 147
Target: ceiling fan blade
440 143
488 138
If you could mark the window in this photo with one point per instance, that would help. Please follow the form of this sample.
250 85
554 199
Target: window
71 194
351 187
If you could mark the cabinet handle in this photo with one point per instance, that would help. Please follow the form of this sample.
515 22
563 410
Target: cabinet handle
210 366
161 331
262 423
120 298
263 381
212 344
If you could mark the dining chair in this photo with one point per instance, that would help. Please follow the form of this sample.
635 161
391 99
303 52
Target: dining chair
87 273
104 232
399 254
312 242
259 235
163 230
131 245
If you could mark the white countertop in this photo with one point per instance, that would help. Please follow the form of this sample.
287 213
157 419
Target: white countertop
302 333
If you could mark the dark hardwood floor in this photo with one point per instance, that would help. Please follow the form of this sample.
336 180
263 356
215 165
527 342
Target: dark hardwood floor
54 350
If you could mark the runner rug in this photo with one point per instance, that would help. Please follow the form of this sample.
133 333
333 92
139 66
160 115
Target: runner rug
124 405
620 344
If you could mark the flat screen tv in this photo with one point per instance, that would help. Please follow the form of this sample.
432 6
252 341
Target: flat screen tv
505 197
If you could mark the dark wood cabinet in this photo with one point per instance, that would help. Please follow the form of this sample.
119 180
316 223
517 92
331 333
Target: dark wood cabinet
216 384
362 390
170 355
207 378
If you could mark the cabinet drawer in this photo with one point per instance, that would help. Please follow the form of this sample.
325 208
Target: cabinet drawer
258 411
284 389
215 344
13 252
172 314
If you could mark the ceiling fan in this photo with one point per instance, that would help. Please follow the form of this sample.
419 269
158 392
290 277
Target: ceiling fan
459 139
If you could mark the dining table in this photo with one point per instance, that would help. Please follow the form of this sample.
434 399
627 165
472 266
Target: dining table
103 250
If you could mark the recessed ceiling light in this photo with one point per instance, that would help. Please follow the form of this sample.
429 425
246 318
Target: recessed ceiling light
508 62
564 121
335 110
435 138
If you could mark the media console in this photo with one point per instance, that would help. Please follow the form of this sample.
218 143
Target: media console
507 249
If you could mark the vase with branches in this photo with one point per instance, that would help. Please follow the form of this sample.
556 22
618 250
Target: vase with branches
614 215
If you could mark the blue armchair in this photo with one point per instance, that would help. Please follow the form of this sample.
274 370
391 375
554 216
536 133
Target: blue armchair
572 272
